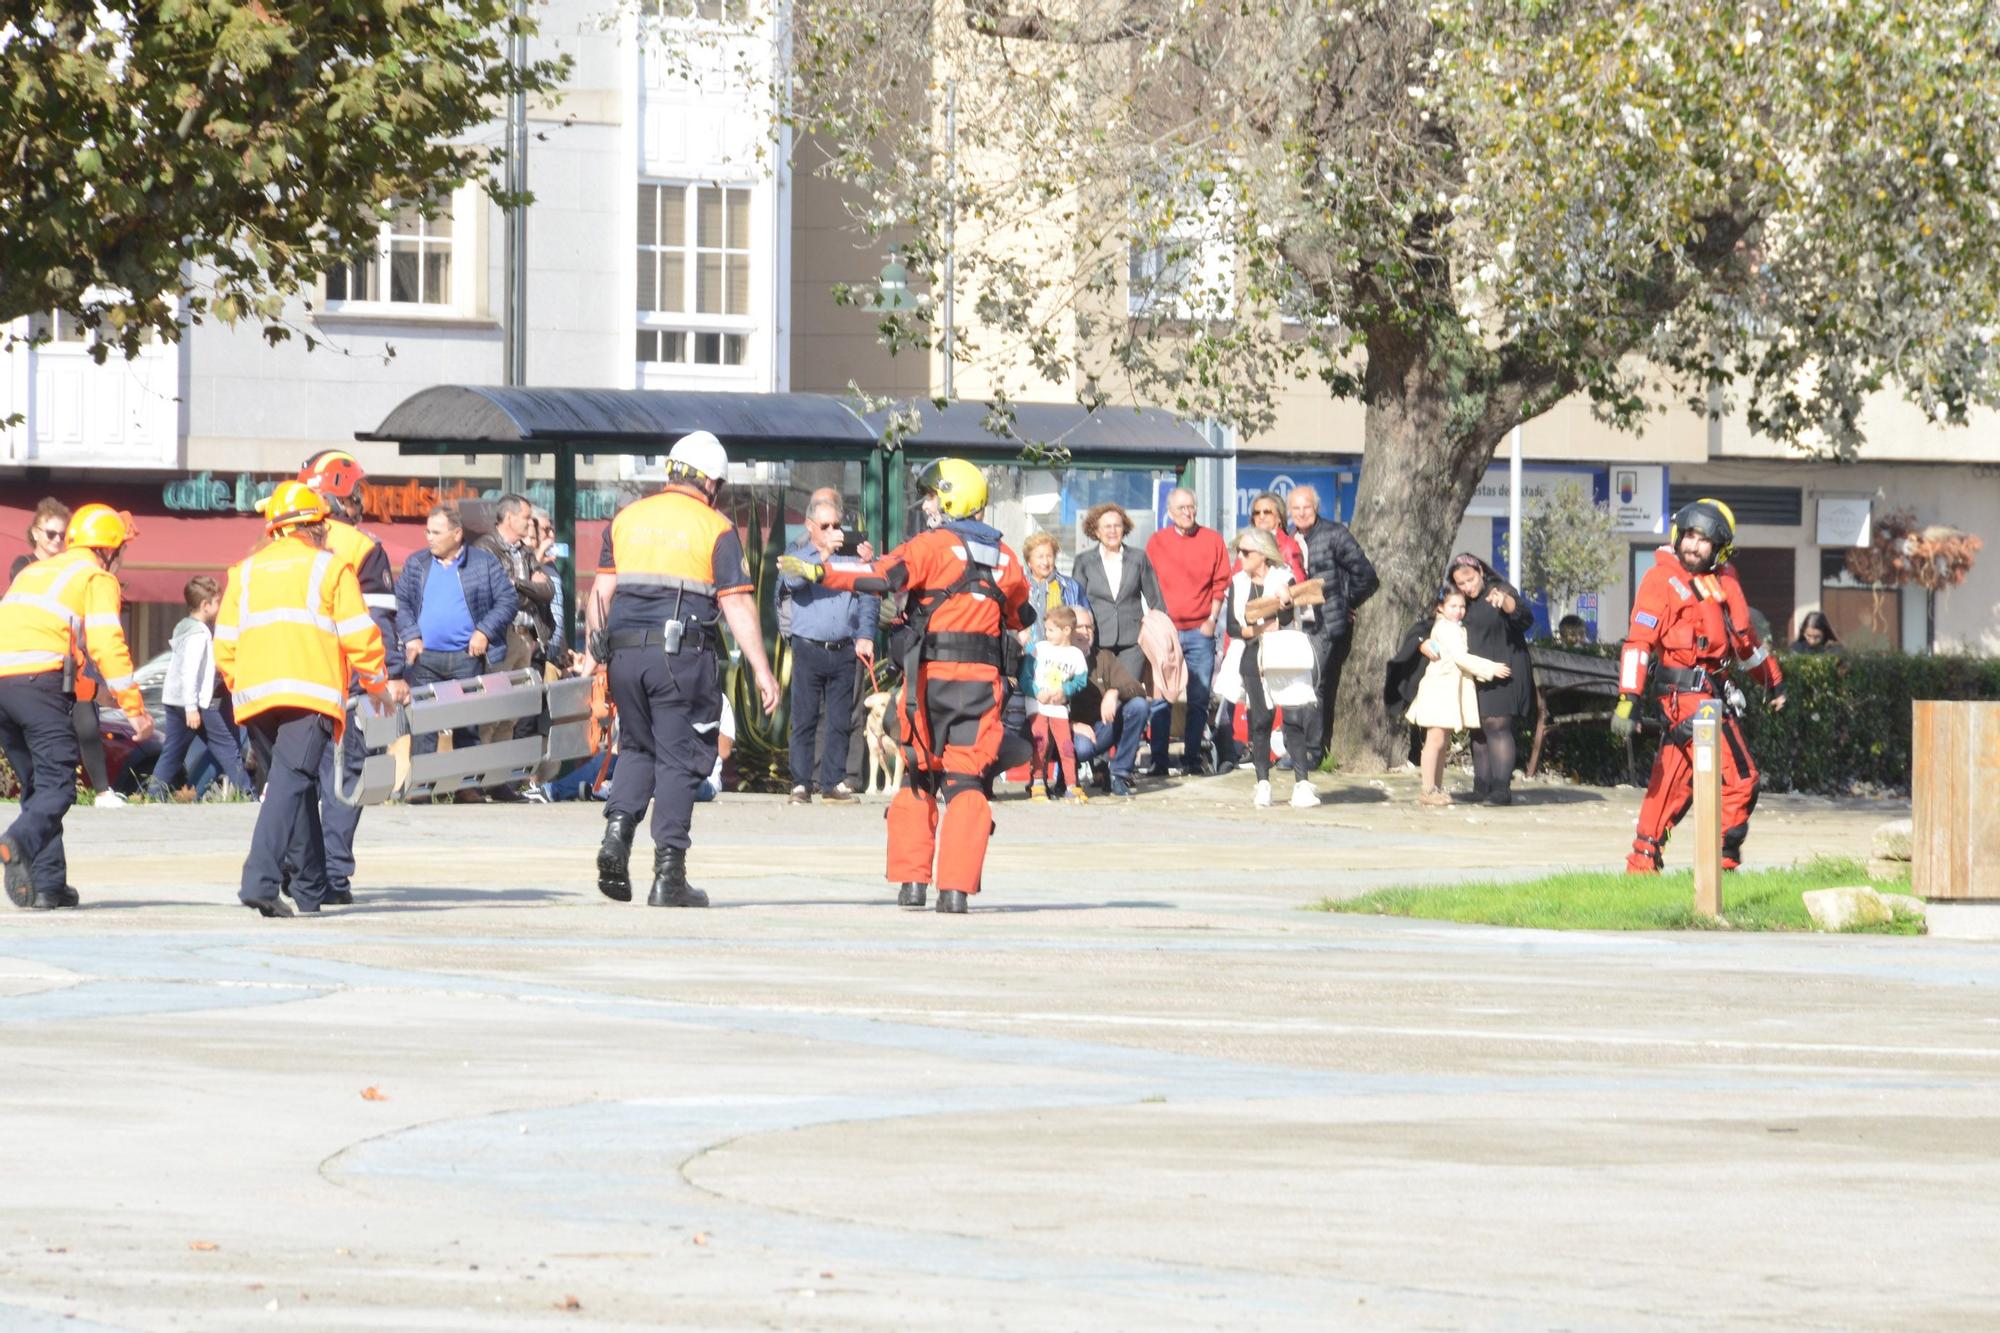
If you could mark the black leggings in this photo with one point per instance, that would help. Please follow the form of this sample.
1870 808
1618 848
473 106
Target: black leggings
1493 754
1298 723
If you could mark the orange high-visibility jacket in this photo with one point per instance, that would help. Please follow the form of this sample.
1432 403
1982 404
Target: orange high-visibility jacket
293 628
63 607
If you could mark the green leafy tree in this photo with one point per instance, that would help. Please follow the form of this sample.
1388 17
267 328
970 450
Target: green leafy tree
219 154
1457 214
1570 547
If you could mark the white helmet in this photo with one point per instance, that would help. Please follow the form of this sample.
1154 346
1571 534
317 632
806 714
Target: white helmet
699 453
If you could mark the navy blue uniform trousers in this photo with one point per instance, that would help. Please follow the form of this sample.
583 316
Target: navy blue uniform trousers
822 677
669 717
40 743
293 744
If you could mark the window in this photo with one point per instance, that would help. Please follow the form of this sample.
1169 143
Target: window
1180 263
411 264
61 328
693 274
709 11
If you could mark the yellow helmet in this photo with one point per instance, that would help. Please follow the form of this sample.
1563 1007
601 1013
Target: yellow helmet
1713 520
293 505
959 486
99 527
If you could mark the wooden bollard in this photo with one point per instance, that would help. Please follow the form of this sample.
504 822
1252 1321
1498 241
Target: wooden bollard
1954 775
1707 755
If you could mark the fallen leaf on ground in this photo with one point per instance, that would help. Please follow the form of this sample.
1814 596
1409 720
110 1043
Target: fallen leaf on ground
203 1245
701 1238
371 1093
569 1303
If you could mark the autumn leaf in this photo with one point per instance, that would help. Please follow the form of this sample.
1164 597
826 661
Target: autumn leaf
569 1303
203 1245
371 1093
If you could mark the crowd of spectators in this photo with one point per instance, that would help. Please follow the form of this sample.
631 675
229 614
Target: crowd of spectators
1192 653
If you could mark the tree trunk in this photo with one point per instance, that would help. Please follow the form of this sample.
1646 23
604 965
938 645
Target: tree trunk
1417 477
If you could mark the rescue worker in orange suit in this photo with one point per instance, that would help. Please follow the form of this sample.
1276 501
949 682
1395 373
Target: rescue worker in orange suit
57 614
1690 631
293 631
966 594
336 476
671 565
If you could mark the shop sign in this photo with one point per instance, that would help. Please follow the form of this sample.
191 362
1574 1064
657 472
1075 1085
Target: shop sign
1845 521
1335 487
1538 486
206 493
1639 497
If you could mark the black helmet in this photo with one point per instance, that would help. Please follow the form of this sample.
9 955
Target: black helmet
1712 519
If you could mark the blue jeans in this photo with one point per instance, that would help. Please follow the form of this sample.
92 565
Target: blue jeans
1198 650
1120 737
182 749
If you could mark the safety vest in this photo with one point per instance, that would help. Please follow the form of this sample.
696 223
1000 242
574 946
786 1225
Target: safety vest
293 629
64 608
663 554
351 548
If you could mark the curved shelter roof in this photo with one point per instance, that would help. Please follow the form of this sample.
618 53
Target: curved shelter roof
457 418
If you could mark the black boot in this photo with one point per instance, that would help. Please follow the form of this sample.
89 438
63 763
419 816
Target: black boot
670 881
951 901
50 900
614 858
20 879
911 895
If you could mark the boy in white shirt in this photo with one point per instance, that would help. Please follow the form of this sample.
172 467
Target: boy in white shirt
193 706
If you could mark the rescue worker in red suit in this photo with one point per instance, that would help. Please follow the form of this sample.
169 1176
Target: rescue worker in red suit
1690 630
966 594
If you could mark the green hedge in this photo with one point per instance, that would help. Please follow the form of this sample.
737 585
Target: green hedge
1845 728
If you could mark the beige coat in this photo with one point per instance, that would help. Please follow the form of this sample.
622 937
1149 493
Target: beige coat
1446 696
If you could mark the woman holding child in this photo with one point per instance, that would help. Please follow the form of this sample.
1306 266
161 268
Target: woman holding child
1260 605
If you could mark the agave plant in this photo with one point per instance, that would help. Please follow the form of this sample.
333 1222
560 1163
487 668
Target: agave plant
762 751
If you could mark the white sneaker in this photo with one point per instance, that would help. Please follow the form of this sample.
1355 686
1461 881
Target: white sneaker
1263 798
108 798
1303 795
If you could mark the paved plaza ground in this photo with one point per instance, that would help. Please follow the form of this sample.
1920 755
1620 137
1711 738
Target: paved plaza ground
1136 1087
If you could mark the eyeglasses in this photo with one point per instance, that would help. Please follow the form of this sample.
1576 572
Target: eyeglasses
53 534
1264 511
824 527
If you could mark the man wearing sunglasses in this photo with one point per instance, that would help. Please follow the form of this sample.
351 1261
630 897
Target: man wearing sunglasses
830 633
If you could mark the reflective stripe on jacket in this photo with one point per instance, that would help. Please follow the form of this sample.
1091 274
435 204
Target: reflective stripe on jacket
64 607
293 628
356 550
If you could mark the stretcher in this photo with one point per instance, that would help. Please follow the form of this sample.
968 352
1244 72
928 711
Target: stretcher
560 711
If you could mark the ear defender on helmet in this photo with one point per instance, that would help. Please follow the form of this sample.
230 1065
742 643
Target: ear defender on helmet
698 455
960 487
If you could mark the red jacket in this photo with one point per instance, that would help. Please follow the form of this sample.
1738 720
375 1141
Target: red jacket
1193 570
1682 620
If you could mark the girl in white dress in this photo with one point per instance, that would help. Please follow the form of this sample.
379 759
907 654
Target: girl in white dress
1446 698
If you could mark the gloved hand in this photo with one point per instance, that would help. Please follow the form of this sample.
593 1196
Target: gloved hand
793 567
1623 723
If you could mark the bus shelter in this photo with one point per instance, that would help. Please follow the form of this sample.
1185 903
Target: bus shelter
1047 462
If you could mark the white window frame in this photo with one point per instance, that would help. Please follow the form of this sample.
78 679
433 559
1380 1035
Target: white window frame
687 321
463 244
1210 260
692 11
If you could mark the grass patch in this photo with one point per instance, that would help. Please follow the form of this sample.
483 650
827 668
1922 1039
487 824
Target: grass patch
1608 900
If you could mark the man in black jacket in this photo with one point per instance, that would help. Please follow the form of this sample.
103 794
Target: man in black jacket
1337 560
512 543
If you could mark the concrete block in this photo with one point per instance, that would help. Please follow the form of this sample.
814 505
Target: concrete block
1843 908
1903 906
1892 841
1962 921
1879 869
